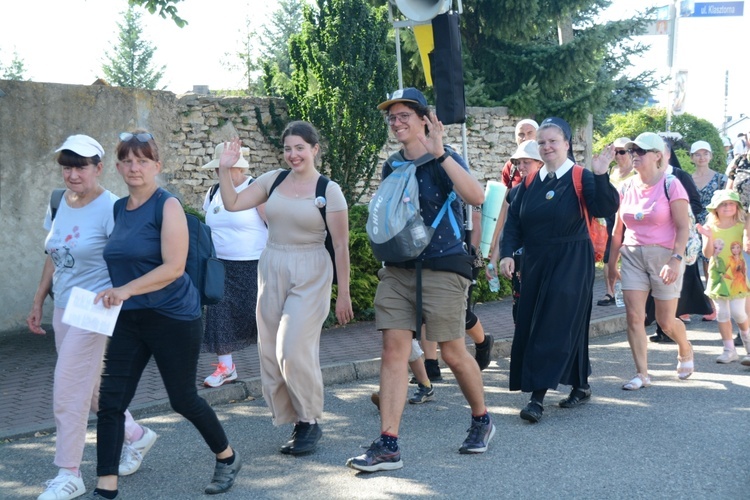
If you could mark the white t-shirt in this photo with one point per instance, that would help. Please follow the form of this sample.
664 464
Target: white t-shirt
236 235
75 243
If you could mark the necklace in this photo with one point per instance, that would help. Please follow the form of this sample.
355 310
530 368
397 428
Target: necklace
294 184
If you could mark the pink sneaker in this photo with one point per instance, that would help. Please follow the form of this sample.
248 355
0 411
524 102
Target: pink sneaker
221 376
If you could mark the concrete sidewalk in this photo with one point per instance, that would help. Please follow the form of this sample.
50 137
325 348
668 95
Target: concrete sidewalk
346 354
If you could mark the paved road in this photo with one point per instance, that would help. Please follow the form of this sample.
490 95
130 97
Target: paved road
677 439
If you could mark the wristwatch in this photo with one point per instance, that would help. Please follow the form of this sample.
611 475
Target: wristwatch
442 158
677 256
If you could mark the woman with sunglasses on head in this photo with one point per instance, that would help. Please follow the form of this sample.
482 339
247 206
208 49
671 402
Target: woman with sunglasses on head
654 210
295 274
78 230
160 316
551 342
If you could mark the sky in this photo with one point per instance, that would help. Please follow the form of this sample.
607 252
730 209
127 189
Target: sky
68 39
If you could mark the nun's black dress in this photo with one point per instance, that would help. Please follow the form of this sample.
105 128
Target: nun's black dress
551 340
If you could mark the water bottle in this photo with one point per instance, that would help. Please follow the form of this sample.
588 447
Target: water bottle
494 280
619 300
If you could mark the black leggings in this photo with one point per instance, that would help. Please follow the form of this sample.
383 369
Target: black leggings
175 346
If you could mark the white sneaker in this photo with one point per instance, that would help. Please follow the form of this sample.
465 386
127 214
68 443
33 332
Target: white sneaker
66 485
728 356
221 375
745 361
132 457
130 460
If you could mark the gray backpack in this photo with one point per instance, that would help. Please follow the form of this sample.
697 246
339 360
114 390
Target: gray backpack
395 227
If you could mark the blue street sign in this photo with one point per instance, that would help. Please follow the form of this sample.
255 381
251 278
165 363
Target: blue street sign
715 9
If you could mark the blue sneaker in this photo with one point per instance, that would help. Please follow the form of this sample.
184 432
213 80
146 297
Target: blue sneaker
376 458
478 438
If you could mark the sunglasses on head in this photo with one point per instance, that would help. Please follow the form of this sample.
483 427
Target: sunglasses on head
641 152
621 152
142 137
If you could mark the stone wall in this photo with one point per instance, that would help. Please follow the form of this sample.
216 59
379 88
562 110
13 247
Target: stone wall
35 118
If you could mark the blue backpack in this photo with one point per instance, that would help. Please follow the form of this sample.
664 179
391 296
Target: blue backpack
205 270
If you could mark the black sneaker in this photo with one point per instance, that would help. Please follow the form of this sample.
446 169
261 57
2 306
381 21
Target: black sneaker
422 395
483 354
479 437
738 340
376 458
224 476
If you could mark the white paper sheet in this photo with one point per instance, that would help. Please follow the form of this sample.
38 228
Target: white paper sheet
81 312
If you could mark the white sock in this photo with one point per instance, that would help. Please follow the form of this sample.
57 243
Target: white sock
227 360
729 345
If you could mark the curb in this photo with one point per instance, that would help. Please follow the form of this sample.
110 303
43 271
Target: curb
333 374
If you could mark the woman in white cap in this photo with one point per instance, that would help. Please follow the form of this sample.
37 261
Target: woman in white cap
655 214
239 239
79 225
707 181
527 161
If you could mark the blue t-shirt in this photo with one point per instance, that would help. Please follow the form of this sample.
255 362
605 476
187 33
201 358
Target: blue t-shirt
434 187
134 249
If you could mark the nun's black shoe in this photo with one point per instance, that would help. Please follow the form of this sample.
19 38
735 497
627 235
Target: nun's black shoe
575 398
304 439
532 412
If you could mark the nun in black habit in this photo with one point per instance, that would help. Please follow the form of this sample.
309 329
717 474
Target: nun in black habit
551 339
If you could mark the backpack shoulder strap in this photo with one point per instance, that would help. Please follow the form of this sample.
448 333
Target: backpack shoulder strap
54 201
667 183
320 192
578 185
529 179
160 200
212 192
278 180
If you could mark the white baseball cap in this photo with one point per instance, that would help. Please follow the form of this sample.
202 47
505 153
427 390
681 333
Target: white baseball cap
527 149
82 145
698 145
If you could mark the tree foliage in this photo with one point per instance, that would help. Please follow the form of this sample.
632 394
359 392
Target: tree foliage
129 65
341 70
513 57
16 70
652 119
164 7
244 59
285 22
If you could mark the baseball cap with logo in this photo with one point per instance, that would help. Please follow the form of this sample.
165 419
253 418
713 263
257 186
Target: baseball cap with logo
409 94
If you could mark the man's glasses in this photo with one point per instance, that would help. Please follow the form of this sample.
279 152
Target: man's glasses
642 152
621 152
142 137
402 117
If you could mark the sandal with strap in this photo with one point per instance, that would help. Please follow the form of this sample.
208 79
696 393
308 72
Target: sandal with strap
637 382
685 365
608 300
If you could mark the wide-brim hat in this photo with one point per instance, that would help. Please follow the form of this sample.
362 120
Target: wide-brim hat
648 141
722 195
409 94
82 145
218 150
527 149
